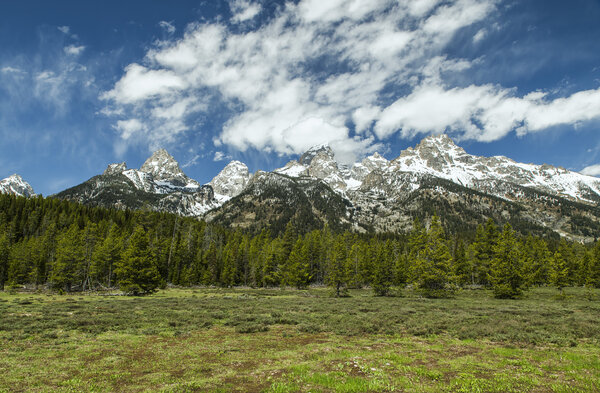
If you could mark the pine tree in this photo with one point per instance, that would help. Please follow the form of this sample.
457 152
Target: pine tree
559 272
482 250
506 271
229 266
337 269
462 267
381 280
70 256
106 256
137 273
4 255
537 261
297 269
433 265
593 275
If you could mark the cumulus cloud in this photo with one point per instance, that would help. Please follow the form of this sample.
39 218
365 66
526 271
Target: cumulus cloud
592 170
485 113
349 72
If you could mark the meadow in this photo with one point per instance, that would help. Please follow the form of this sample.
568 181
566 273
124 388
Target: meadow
274 340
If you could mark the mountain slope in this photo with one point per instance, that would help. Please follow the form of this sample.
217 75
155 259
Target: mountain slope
271 200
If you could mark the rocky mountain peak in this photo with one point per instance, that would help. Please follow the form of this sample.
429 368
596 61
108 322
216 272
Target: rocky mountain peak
323 150
15 185
114 169
232 180
162 166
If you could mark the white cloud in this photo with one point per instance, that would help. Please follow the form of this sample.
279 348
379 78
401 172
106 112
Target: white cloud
364 116
316 67
11 70
480 35
244 10
140 83
74 50
220 156
128 128
64 29
167 26
421 7
592 170
485 113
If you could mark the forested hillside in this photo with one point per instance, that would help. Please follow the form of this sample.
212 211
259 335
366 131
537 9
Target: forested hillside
69 247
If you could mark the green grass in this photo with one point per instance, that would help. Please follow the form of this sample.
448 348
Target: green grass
187 340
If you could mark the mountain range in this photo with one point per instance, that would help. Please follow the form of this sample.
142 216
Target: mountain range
374 195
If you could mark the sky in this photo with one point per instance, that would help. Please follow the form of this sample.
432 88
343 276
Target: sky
84 84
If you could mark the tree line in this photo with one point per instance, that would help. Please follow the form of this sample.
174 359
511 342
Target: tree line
65 246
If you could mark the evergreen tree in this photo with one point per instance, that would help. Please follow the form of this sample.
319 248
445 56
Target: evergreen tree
137 273
433 265
271 257
337 269
70 256
593 275
559 272
462 267
297 268
537 261
4 255
229 266
381 281
106 256
482 250
506 271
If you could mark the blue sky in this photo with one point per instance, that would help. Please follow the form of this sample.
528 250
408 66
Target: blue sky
84 84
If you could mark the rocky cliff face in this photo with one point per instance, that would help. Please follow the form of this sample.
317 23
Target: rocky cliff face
231 181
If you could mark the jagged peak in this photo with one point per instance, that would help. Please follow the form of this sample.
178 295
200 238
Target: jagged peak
232 179
376 157
15 184
14 177
323 148
162 166
437 140
116 168
236 164
159 155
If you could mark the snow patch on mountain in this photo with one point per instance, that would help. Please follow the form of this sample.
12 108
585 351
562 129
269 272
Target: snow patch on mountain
231 181
15 185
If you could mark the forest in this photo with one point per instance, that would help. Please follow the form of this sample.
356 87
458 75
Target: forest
67 247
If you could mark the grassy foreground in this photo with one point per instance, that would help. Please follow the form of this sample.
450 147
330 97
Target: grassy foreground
286 341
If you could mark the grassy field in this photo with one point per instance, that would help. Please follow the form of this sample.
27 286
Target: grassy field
188 340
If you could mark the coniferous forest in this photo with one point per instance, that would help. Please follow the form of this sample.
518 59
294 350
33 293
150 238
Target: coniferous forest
66 247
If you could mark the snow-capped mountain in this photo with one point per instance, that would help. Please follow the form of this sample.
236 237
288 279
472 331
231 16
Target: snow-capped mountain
231 181
159 184
15 185
439 157
436 176
165 170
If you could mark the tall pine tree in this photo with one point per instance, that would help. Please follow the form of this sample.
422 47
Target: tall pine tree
506 270
137 272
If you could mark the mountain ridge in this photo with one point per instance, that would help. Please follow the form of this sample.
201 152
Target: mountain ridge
376 194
